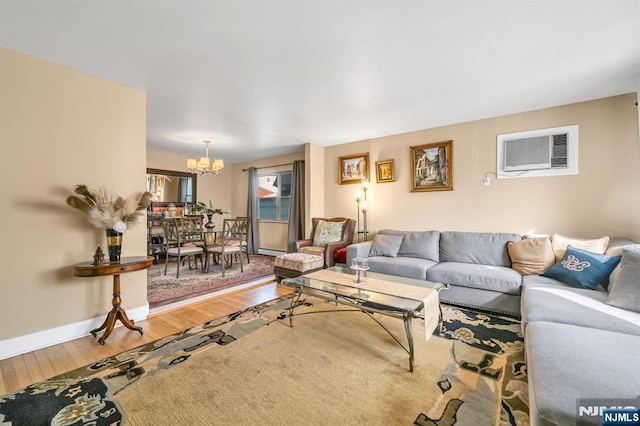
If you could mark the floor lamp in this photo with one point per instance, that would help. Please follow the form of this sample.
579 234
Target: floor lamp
358 199
364 220
361 199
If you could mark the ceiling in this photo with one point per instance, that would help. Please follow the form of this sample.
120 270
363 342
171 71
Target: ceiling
263 77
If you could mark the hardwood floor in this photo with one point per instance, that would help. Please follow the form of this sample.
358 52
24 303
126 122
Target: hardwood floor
23 370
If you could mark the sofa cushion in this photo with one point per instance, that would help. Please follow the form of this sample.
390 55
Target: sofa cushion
386 245
545 299
484 248
401 266
614 248
327 232
424 245
566 363
531 255
560 244
486 277
582 268
624 291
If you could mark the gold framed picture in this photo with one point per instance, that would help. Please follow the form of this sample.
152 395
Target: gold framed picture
385 171
432 167
353 168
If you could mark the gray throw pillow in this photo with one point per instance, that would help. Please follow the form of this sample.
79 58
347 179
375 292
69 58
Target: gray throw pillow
624 290
386 245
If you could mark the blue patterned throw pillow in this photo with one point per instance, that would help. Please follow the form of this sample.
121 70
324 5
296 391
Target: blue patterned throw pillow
582 268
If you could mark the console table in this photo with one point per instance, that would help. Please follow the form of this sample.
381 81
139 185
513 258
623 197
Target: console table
126 264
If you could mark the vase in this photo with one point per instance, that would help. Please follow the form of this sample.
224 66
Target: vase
114 244
209 224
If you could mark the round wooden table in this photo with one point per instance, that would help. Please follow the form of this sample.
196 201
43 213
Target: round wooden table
126 264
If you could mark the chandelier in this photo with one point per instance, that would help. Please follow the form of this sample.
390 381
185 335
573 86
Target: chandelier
204 165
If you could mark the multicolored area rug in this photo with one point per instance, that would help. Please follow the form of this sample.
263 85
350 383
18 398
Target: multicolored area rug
162 289
332 368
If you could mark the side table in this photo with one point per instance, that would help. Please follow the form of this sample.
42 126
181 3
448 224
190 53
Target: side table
126 264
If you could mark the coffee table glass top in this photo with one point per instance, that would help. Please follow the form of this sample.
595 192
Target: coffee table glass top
343 285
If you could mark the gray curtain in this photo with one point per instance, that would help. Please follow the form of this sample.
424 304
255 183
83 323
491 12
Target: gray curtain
296 205
252 212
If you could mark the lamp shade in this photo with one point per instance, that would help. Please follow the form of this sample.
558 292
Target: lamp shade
203 163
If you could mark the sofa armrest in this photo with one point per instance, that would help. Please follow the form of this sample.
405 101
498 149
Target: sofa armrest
358 250
302 243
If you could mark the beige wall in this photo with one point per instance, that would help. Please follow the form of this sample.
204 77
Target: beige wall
61 127
273 235
314 184
602 200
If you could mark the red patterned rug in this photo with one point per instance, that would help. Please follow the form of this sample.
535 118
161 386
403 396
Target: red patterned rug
162 289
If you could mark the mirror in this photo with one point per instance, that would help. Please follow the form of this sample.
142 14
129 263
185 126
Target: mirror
167 186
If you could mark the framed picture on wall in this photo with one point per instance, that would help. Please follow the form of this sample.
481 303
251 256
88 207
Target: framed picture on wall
385 171
353 168
432 167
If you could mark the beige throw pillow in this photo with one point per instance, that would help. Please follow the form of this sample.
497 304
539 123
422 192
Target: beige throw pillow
327 232
531 256
560 244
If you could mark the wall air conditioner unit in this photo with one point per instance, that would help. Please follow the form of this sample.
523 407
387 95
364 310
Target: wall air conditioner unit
538 152
542 152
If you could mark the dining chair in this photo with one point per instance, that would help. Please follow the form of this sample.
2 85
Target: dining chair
192 229
229 246
176 246
242 224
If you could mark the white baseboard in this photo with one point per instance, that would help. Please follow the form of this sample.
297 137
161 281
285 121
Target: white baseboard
41 339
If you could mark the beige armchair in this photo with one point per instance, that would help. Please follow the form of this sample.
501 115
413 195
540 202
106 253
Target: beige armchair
316 244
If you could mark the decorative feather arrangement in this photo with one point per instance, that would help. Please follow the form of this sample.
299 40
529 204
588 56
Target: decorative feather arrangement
107 210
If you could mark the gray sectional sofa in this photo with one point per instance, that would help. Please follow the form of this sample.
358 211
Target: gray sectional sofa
580 348
476 264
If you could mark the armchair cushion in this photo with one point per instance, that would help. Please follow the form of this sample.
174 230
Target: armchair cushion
327 232
315 250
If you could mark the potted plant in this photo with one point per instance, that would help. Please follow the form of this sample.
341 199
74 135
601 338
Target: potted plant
201 207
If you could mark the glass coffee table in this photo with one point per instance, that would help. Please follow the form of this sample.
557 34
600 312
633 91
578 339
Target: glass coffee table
389 295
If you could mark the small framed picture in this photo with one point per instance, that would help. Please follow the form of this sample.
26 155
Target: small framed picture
353 168
432 167
384 171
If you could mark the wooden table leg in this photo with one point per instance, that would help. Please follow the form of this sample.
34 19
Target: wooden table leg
116 313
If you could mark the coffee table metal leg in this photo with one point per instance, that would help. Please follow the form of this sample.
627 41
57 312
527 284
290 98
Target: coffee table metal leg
409 330
294 301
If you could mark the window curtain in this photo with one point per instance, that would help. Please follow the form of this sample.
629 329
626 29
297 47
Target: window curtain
296 205
252 212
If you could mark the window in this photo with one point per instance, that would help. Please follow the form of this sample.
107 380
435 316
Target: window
274 195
